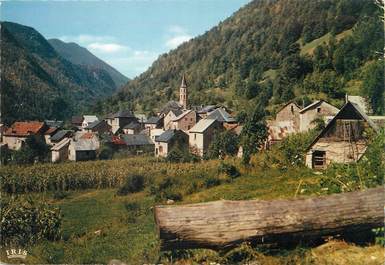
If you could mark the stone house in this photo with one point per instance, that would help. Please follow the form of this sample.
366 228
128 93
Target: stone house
132 128
185 121
342 140
120 119
14 137
138 144
202 134
154 133
83 146
98 127
153 123
169 139
88 119
286 122
59 152
167 119
319 109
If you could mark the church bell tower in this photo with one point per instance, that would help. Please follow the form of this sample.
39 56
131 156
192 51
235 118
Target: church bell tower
183 93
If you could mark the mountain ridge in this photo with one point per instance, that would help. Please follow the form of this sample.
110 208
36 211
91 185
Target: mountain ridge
79 55
37 83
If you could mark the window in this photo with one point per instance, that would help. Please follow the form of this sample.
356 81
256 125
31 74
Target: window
292 109
318 110
319 159
195 136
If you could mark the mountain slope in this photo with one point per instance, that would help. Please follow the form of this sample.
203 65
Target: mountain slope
37 83
81 56
229 63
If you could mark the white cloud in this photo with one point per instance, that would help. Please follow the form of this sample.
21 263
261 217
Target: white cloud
176 36
98 47
84 39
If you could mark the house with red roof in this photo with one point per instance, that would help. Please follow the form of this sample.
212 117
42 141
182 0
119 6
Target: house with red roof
16 135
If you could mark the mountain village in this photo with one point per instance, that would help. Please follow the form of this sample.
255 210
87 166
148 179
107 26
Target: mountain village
193 128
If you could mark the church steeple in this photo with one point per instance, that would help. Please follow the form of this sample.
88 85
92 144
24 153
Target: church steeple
183 93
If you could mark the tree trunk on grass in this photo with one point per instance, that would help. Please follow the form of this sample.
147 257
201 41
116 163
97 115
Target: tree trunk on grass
224 224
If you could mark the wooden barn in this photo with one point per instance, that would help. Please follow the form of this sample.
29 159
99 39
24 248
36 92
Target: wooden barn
343 139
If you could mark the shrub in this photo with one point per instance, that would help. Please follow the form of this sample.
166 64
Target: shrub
132 184
59 195
212 182
106 153
27 222
166 189
230 170
134 211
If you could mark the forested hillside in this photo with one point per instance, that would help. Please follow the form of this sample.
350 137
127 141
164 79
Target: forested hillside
270 52
37 83
81 56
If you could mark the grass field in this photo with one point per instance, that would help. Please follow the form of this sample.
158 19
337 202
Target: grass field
99 225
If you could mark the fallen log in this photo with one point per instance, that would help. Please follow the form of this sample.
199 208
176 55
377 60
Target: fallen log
224 224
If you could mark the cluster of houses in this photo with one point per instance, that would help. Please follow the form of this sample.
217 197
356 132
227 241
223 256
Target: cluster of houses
193 128
176 124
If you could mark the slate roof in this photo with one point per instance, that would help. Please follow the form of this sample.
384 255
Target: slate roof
94 124
132 125
60 135
314 104
54 123
24 128
180 116
171 105
90 118
77 119
136 139
141 117
202 125
61 144
166 136
220 115
153 120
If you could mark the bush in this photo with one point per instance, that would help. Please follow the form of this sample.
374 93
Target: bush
59 195
134 211
166 189
106 153
230 170
27 222
132 184
212 182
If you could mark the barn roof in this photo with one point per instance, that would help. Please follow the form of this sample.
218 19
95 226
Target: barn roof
63 143
121 114
136 139
346 111
60 135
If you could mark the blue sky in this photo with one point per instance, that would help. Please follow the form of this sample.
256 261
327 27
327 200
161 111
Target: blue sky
129 35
